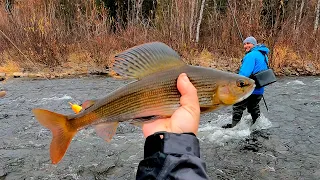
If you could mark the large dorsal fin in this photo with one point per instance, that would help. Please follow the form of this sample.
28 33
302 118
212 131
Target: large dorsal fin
146 59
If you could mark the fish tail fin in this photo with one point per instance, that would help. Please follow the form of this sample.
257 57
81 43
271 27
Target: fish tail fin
61 131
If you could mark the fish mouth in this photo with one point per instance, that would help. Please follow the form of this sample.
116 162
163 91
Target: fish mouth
246 95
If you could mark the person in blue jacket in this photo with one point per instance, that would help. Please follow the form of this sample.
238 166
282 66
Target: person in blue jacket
254 61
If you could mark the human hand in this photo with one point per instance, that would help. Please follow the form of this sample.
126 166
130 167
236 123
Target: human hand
185 119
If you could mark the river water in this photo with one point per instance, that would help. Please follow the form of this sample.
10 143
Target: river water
283 144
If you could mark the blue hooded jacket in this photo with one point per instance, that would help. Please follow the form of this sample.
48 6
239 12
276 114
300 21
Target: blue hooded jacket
253 62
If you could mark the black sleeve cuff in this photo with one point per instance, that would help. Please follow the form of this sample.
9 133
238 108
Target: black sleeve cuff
172 143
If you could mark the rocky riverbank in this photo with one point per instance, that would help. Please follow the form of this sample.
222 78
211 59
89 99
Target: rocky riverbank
58 73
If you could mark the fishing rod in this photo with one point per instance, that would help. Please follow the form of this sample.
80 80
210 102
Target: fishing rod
241 37
4 35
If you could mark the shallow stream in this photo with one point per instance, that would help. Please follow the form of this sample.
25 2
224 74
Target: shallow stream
283 144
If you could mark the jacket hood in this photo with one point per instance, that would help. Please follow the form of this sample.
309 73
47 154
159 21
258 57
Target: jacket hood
262 48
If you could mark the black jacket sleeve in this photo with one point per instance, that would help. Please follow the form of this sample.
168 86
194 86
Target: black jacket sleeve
175 156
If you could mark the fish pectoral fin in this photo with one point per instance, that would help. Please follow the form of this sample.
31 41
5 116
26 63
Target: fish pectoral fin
214 104
146 59
106 130
88 104
208 105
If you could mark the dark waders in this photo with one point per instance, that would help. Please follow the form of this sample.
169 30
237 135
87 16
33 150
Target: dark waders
251 103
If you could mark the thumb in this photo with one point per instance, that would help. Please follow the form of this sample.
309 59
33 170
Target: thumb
189 98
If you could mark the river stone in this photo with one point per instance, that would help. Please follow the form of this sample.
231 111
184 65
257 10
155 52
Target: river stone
2 76
2 93
17 74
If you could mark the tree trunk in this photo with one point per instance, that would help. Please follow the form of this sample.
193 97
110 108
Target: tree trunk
299 20
295 15
316 21
301 11
251 12
193 4
215 7
200 19
139 10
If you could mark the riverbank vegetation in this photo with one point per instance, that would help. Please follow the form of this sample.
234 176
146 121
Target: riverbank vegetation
75 37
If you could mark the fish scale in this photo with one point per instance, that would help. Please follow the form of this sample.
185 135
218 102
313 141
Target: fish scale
134 102
129 105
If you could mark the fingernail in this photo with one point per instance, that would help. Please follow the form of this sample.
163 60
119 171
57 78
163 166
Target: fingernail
184 77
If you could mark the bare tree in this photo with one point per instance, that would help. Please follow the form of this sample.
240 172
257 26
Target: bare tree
200 19
296 32
295 15
301 11
316 21
193 4
138 9
251 12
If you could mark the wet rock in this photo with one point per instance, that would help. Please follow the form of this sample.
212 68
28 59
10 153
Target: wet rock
2 93
310 68
2 76
250 147
127 128
255 141
287 71
98 71
32 75
17 74
3 174
4 116
299 70
25 74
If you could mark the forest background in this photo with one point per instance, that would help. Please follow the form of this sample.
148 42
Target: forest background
72 37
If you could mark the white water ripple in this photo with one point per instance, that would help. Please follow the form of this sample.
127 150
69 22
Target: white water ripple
296 82
214 133
55 98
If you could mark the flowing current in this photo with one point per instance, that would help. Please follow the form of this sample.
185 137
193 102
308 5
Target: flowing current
283 144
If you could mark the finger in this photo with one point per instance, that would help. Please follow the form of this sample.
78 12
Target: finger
189 98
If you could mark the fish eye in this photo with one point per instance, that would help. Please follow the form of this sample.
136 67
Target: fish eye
241 83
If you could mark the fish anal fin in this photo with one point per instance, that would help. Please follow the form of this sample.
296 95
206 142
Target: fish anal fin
146 59
106 130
